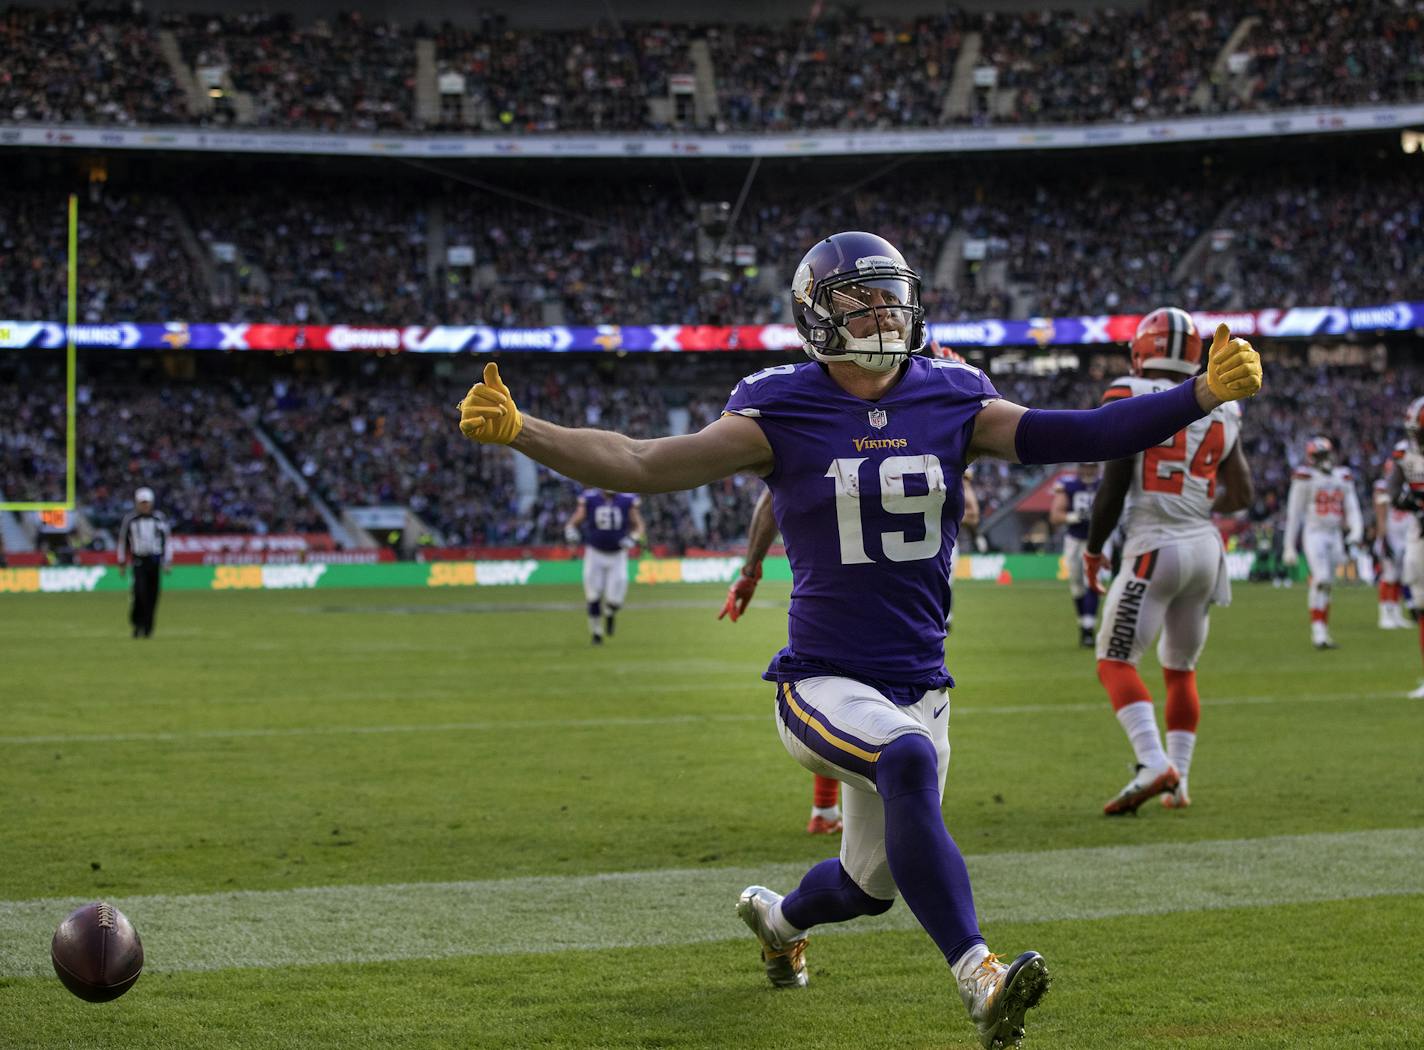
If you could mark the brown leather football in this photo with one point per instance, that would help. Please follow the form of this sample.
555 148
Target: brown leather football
97 953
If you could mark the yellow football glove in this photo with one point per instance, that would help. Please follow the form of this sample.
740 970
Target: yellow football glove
1233 369
488 414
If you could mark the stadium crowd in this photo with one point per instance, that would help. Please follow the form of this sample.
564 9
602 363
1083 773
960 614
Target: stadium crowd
85 65
188 440
349 74
130 253
596 79
1084 243
105 65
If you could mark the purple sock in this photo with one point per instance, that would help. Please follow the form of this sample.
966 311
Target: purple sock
827 894
927 866
1090 603
1078 603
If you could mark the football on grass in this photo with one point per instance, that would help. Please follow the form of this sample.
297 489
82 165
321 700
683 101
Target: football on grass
97 953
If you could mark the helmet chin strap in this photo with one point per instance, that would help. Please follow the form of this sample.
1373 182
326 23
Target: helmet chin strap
877 362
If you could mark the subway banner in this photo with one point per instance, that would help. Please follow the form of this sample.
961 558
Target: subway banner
1002 569
1295 323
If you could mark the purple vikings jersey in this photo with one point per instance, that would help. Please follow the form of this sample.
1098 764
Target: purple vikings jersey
868 496
606 515
1080 495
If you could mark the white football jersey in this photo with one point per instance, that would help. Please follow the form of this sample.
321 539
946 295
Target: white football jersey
1323 500
1411 466
1174 483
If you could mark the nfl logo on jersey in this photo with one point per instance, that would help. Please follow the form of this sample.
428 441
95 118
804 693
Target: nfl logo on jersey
878 418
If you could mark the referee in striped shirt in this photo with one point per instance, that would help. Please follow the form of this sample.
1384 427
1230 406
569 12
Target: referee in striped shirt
143 540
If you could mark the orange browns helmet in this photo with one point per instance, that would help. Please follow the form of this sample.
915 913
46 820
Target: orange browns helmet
1319 450
1167 338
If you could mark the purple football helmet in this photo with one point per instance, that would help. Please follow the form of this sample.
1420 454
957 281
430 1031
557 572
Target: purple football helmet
854 298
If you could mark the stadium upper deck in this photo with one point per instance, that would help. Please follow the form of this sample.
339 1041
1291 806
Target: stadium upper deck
122 65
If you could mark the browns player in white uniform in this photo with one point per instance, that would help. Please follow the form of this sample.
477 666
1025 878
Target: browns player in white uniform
1394 528
1323 517
1406 492
1173 562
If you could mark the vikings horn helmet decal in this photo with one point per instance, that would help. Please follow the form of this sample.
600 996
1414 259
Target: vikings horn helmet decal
854 298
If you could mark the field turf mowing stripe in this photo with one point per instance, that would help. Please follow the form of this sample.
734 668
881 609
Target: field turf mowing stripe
633 721
357 924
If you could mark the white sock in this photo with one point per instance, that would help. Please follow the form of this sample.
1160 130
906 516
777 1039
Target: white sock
1180 745
969 962
826 813
785 932
1139 722
1086 622
595 625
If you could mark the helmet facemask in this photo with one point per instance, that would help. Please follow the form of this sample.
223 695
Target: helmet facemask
872 317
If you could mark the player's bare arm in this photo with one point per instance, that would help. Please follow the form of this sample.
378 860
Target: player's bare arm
1236 487
1107 504
604 459
1020 435
1295 516
761 531
1058 512
970 518
759 536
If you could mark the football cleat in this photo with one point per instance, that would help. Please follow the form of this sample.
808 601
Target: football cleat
1147 781
1177 798
596 639
1086 639
785 963
818 825
998 996
1320 636
1417 693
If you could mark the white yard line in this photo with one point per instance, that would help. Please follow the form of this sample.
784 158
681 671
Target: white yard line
959 710
356 924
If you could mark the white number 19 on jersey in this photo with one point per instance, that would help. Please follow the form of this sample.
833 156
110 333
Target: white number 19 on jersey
846 475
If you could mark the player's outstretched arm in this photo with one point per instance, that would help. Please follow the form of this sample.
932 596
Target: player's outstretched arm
604 459
1120 428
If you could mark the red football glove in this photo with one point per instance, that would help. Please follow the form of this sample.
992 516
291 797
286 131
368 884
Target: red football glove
1093 565
739 595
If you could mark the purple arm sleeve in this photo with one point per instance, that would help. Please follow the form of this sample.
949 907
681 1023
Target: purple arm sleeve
1114 431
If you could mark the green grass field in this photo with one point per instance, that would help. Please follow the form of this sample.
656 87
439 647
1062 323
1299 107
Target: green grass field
406 819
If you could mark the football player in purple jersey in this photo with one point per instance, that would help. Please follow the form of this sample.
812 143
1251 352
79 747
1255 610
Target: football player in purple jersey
610 524
864 448
1073 507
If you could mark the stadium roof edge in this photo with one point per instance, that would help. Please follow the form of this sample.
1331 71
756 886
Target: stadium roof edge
827 143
